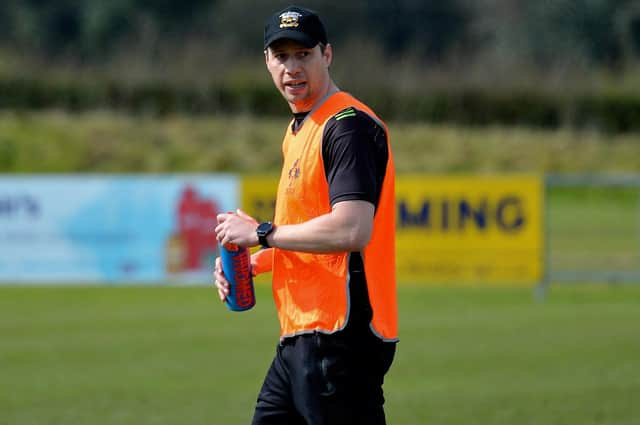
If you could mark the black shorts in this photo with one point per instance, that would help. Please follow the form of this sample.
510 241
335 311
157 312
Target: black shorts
319 379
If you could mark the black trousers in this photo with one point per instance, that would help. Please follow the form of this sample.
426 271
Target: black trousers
319 379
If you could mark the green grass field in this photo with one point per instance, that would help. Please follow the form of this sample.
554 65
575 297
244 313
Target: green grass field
594 229
175 355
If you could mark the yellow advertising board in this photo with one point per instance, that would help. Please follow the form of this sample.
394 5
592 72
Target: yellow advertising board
466 229
258 199
259 196
470 229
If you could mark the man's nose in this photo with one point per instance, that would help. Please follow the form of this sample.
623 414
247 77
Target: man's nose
292 66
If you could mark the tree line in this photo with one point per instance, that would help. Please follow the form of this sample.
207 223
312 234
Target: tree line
550 64
601 32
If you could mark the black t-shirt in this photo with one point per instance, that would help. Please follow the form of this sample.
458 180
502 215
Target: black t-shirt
354 152
355 155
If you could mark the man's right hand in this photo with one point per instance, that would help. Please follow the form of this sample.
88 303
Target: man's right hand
220 281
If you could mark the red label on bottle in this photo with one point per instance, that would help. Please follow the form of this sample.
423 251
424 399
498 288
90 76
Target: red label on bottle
242 275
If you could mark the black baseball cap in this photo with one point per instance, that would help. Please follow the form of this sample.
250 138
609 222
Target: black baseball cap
295 23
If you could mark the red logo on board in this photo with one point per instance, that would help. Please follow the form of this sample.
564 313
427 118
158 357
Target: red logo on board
193 245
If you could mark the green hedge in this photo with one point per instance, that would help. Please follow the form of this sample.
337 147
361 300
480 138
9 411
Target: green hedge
154 98
607 112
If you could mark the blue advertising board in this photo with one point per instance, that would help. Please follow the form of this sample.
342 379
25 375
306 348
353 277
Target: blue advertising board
118 229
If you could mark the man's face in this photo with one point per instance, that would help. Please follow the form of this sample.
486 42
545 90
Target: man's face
300 73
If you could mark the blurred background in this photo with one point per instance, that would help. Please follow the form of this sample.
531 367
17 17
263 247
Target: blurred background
546 64
126 125
559 65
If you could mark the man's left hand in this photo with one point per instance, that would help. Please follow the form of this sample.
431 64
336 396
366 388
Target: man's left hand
237 228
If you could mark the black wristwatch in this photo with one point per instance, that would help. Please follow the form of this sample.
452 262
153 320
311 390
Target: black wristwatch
263 231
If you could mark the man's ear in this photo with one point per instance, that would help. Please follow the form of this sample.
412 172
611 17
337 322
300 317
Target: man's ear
328 54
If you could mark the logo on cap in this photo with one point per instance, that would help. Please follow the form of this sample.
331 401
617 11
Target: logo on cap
289 20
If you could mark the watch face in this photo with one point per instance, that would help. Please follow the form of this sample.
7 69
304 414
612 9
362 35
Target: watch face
264 228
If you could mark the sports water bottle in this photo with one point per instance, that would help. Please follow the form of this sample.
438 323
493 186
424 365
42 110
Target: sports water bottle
236 266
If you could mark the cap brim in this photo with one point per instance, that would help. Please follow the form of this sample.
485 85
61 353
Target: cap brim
294 35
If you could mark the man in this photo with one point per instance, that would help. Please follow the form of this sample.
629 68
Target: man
331 244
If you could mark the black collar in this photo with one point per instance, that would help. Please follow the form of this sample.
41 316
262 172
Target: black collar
298 118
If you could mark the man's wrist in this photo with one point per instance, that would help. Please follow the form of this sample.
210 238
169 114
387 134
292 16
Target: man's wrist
263 231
